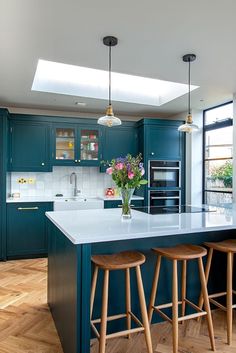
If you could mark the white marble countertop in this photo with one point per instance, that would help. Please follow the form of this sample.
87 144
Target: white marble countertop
92 226
54 198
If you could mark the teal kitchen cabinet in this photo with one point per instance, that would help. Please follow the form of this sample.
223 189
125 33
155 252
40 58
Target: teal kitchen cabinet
161 139
119 141
27 229
76 145
29 146
118 203
3 169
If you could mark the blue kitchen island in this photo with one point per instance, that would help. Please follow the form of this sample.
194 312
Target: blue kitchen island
75 235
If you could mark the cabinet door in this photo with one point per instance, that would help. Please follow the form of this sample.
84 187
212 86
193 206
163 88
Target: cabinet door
119 141
89 146
65 145
27 229
163 142
29 146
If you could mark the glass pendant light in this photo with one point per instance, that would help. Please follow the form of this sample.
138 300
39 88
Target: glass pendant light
188 126
109 119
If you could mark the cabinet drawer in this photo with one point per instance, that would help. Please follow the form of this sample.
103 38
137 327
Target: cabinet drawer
27 229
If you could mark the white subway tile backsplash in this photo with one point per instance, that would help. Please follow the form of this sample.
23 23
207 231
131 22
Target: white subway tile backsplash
90 181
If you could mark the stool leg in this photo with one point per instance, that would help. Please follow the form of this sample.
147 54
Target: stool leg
207 272
143 310
175 307
206 303
128 299
229 296
103 329
93 289
183 292
154 288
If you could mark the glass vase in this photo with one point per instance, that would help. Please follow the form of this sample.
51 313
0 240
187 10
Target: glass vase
126 195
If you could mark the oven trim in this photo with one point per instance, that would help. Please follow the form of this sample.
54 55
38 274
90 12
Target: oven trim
166 168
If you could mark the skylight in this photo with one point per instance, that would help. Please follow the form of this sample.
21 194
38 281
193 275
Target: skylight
81 81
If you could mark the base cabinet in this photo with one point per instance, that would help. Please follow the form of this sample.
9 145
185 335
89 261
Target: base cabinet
27 229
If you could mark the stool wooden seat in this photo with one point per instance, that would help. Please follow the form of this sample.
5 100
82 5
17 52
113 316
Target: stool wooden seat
121 261
229 247
182 253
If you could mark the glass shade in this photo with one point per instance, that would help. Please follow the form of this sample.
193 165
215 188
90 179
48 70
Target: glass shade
109 119
188 128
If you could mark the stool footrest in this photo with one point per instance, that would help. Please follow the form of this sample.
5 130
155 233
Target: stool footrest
219 305
125 332
117 317
110 318
199 313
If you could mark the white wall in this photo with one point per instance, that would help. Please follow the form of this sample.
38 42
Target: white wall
193 161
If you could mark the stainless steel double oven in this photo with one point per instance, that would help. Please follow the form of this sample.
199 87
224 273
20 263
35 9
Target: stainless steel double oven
164 185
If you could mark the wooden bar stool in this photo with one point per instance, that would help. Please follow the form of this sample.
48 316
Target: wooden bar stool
121 261
228 247
182 253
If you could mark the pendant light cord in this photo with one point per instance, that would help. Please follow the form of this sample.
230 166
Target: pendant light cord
189 77
109 95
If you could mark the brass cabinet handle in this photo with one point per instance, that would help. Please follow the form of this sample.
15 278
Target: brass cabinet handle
27 208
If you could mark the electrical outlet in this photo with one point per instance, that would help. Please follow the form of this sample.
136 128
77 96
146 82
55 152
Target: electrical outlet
31 181
22 181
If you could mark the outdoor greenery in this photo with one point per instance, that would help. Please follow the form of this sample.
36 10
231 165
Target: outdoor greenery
224 173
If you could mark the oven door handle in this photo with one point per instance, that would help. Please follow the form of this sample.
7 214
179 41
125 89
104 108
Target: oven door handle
172 168
164 197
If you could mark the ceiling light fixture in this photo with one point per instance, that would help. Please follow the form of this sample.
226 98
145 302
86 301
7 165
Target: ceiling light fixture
188 126
83 104
109 119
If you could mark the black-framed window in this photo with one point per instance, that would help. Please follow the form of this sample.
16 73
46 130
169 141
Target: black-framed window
218 154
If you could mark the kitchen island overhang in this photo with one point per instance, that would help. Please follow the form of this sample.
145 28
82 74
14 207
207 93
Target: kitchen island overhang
75 235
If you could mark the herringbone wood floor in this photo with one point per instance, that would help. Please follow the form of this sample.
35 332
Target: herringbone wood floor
26 325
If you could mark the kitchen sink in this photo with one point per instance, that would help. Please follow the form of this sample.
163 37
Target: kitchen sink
78 203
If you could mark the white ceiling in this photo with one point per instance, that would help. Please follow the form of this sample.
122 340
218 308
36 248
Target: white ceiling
153 35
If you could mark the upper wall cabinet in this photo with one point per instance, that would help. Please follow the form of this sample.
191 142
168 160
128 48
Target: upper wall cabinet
119 141
76 145
29 148
161 139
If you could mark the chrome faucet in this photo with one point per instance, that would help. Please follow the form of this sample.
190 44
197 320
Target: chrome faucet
76 191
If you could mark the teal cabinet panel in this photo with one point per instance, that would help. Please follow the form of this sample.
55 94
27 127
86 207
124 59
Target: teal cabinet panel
118 142
3 169
29 146
163 142
27 229
118 203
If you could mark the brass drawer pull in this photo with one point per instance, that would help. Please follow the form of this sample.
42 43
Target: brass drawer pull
28 208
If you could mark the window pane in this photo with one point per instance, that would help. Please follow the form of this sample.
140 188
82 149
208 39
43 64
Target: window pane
219 114
218 165
216 198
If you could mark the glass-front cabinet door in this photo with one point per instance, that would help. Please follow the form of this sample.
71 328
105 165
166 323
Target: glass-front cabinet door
65 145
89 146
76 145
